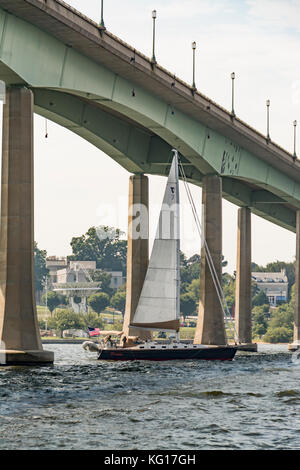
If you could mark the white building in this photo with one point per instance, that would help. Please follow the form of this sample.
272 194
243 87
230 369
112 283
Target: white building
274 285
117 279
55 264
74 279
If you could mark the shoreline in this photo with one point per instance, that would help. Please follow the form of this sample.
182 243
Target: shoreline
80 341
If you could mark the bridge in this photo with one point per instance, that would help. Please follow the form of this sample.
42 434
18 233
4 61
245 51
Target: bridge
61 65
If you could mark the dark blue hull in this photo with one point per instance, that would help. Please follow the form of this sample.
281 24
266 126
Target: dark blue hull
159 354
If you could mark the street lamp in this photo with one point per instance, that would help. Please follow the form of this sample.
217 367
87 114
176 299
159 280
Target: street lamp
232 79
154 15
268 119
102 25
194 45
295 137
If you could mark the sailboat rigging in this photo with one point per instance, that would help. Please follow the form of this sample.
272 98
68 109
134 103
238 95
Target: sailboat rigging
159 303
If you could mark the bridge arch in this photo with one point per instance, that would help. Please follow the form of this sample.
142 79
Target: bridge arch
137 131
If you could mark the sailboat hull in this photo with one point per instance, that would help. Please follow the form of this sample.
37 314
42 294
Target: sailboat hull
168 354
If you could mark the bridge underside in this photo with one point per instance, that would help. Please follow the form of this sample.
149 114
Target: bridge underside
136 127
140 150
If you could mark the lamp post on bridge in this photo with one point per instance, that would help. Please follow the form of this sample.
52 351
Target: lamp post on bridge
194 45
232 108
154 16
295 139
268 120
102 25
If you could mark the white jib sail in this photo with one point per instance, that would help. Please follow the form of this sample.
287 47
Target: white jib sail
159 303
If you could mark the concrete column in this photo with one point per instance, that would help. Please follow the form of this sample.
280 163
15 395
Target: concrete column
19 332
137 249
243 303
296 343
210 326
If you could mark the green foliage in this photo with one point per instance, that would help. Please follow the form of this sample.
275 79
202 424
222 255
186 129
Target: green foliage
282 316
104 280
42 324
53 300
103 245
187 304
40 269
98 302
260 299
193 289
260 323
118 300
278 335
229 289
93 320
66 319
118 325
281 325
189 270
63 299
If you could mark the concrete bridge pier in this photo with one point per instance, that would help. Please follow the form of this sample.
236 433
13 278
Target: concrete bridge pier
243 304
296 343
210 325
137 249
20 341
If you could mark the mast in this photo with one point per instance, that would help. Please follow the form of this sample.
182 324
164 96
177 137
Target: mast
178 240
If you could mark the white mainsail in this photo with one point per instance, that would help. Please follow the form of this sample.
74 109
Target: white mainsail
159 303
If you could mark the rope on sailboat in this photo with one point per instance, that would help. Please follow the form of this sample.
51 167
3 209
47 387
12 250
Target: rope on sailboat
214 275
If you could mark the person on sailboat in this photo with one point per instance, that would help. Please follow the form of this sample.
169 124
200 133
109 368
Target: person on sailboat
107 341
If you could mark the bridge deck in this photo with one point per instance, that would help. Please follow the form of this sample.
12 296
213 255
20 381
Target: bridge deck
84 35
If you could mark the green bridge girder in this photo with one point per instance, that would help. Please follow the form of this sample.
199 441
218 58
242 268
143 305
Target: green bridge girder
137 131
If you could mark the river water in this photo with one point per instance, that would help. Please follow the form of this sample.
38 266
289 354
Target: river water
81 403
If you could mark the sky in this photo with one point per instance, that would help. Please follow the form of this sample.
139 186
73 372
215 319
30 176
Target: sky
77 186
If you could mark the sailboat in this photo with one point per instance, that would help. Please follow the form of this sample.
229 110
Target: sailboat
158 308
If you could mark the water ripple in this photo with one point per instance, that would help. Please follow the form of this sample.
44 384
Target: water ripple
82 403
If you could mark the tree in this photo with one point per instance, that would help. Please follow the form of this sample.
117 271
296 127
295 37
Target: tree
118 300
229 283
189 270
53 300
98 302
66 320
93 320
103 245
104 280
260 299
260 323
40 270
281 325
278 335
187 304
283 316
193 289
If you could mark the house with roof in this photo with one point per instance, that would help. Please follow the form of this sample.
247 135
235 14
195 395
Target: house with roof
274 285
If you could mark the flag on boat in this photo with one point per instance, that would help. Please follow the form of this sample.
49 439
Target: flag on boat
94 331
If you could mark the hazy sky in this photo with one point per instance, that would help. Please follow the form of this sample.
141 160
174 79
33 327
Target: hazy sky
258 39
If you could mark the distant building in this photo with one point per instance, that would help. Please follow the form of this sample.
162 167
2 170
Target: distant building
274 285
74 279
117 279
63 272
76 271
54 264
